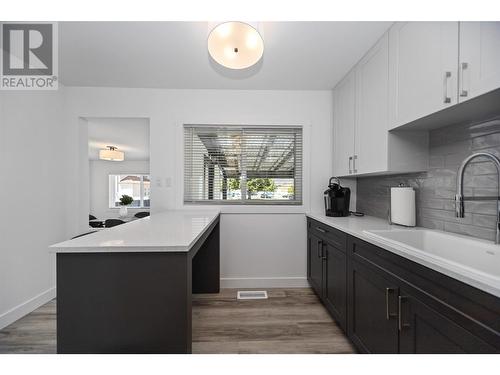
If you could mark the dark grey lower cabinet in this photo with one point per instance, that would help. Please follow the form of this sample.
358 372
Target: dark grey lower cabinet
422 330
373 324
334 283
398 306
389 304
315 264
327 270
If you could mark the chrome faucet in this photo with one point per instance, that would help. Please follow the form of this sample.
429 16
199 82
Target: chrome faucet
459 197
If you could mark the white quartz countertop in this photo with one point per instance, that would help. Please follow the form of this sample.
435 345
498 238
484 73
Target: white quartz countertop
164 231
356 226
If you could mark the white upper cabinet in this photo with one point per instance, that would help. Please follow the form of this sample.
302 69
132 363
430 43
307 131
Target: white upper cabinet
479 65
344 115
422 69
415 70
371 109
362 142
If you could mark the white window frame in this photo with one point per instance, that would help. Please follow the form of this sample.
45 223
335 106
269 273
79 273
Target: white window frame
265 205
111 202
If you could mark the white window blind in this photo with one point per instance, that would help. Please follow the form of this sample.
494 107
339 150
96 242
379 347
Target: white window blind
242 165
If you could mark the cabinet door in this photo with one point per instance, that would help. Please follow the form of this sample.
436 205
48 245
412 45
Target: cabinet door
371 109
335 283
315 263
344 112
422 69
372 323
424 330
479 67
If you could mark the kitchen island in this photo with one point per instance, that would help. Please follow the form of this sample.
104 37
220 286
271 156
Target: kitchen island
128 289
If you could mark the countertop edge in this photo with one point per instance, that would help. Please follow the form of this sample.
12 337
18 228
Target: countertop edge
58 249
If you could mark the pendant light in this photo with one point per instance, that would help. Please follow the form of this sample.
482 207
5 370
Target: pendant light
235 45
112 154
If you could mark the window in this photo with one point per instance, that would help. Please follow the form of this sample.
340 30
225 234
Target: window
138 186
242 165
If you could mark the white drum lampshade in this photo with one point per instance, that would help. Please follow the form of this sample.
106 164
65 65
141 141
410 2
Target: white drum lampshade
112 154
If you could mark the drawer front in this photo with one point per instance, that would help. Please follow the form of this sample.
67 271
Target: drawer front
336 237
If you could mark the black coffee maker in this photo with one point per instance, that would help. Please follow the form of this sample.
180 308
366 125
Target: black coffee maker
337 199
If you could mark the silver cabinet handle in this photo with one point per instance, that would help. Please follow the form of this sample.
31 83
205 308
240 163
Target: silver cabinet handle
388 314
350 161
321 230
463 67
320 246
401 324
354 163
446 99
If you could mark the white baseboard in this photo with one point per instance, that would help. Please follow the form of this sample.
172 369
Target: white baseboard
264 282
32 304
26 307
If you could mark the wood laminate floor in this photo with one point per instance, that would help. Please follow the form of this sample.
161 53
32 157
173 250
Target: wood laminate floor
290 321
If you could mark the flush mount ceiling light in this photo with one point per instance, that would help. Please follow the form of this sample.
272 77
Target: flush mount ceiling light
112 154
235 45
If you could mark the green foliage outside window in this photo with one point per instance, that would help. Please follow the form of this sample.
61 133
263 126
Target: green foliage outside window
233 183
253 184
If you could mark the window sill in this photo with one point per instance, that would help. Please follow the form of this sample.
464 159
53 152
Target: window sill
131 208
250 209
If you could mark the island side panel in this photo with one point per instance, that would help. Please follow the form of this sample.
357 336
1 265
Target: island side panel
124 302
206 263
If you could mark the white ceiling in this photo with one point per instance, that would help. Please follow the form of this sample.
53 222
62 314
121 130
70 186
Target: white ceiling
297 55
130 135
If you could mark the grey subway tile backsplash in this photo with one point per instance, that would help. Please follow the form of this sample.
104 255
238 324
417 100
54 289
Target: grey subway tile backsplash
470 230
435 188
486 221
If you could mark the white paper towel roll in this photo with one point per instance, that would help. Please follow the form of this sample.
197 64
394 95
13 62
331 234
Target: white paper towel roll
403 206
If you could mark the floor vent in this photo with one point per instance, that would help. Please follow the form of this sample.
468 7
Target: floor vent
252 294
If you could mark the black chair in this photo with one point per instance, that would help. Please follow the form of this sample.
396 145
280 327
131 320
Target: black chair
84 234
142 214
109 223
96 224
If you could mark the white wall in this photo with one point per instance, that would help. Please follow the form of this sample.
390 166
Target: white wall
42 143
267 250
33 172
99 171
